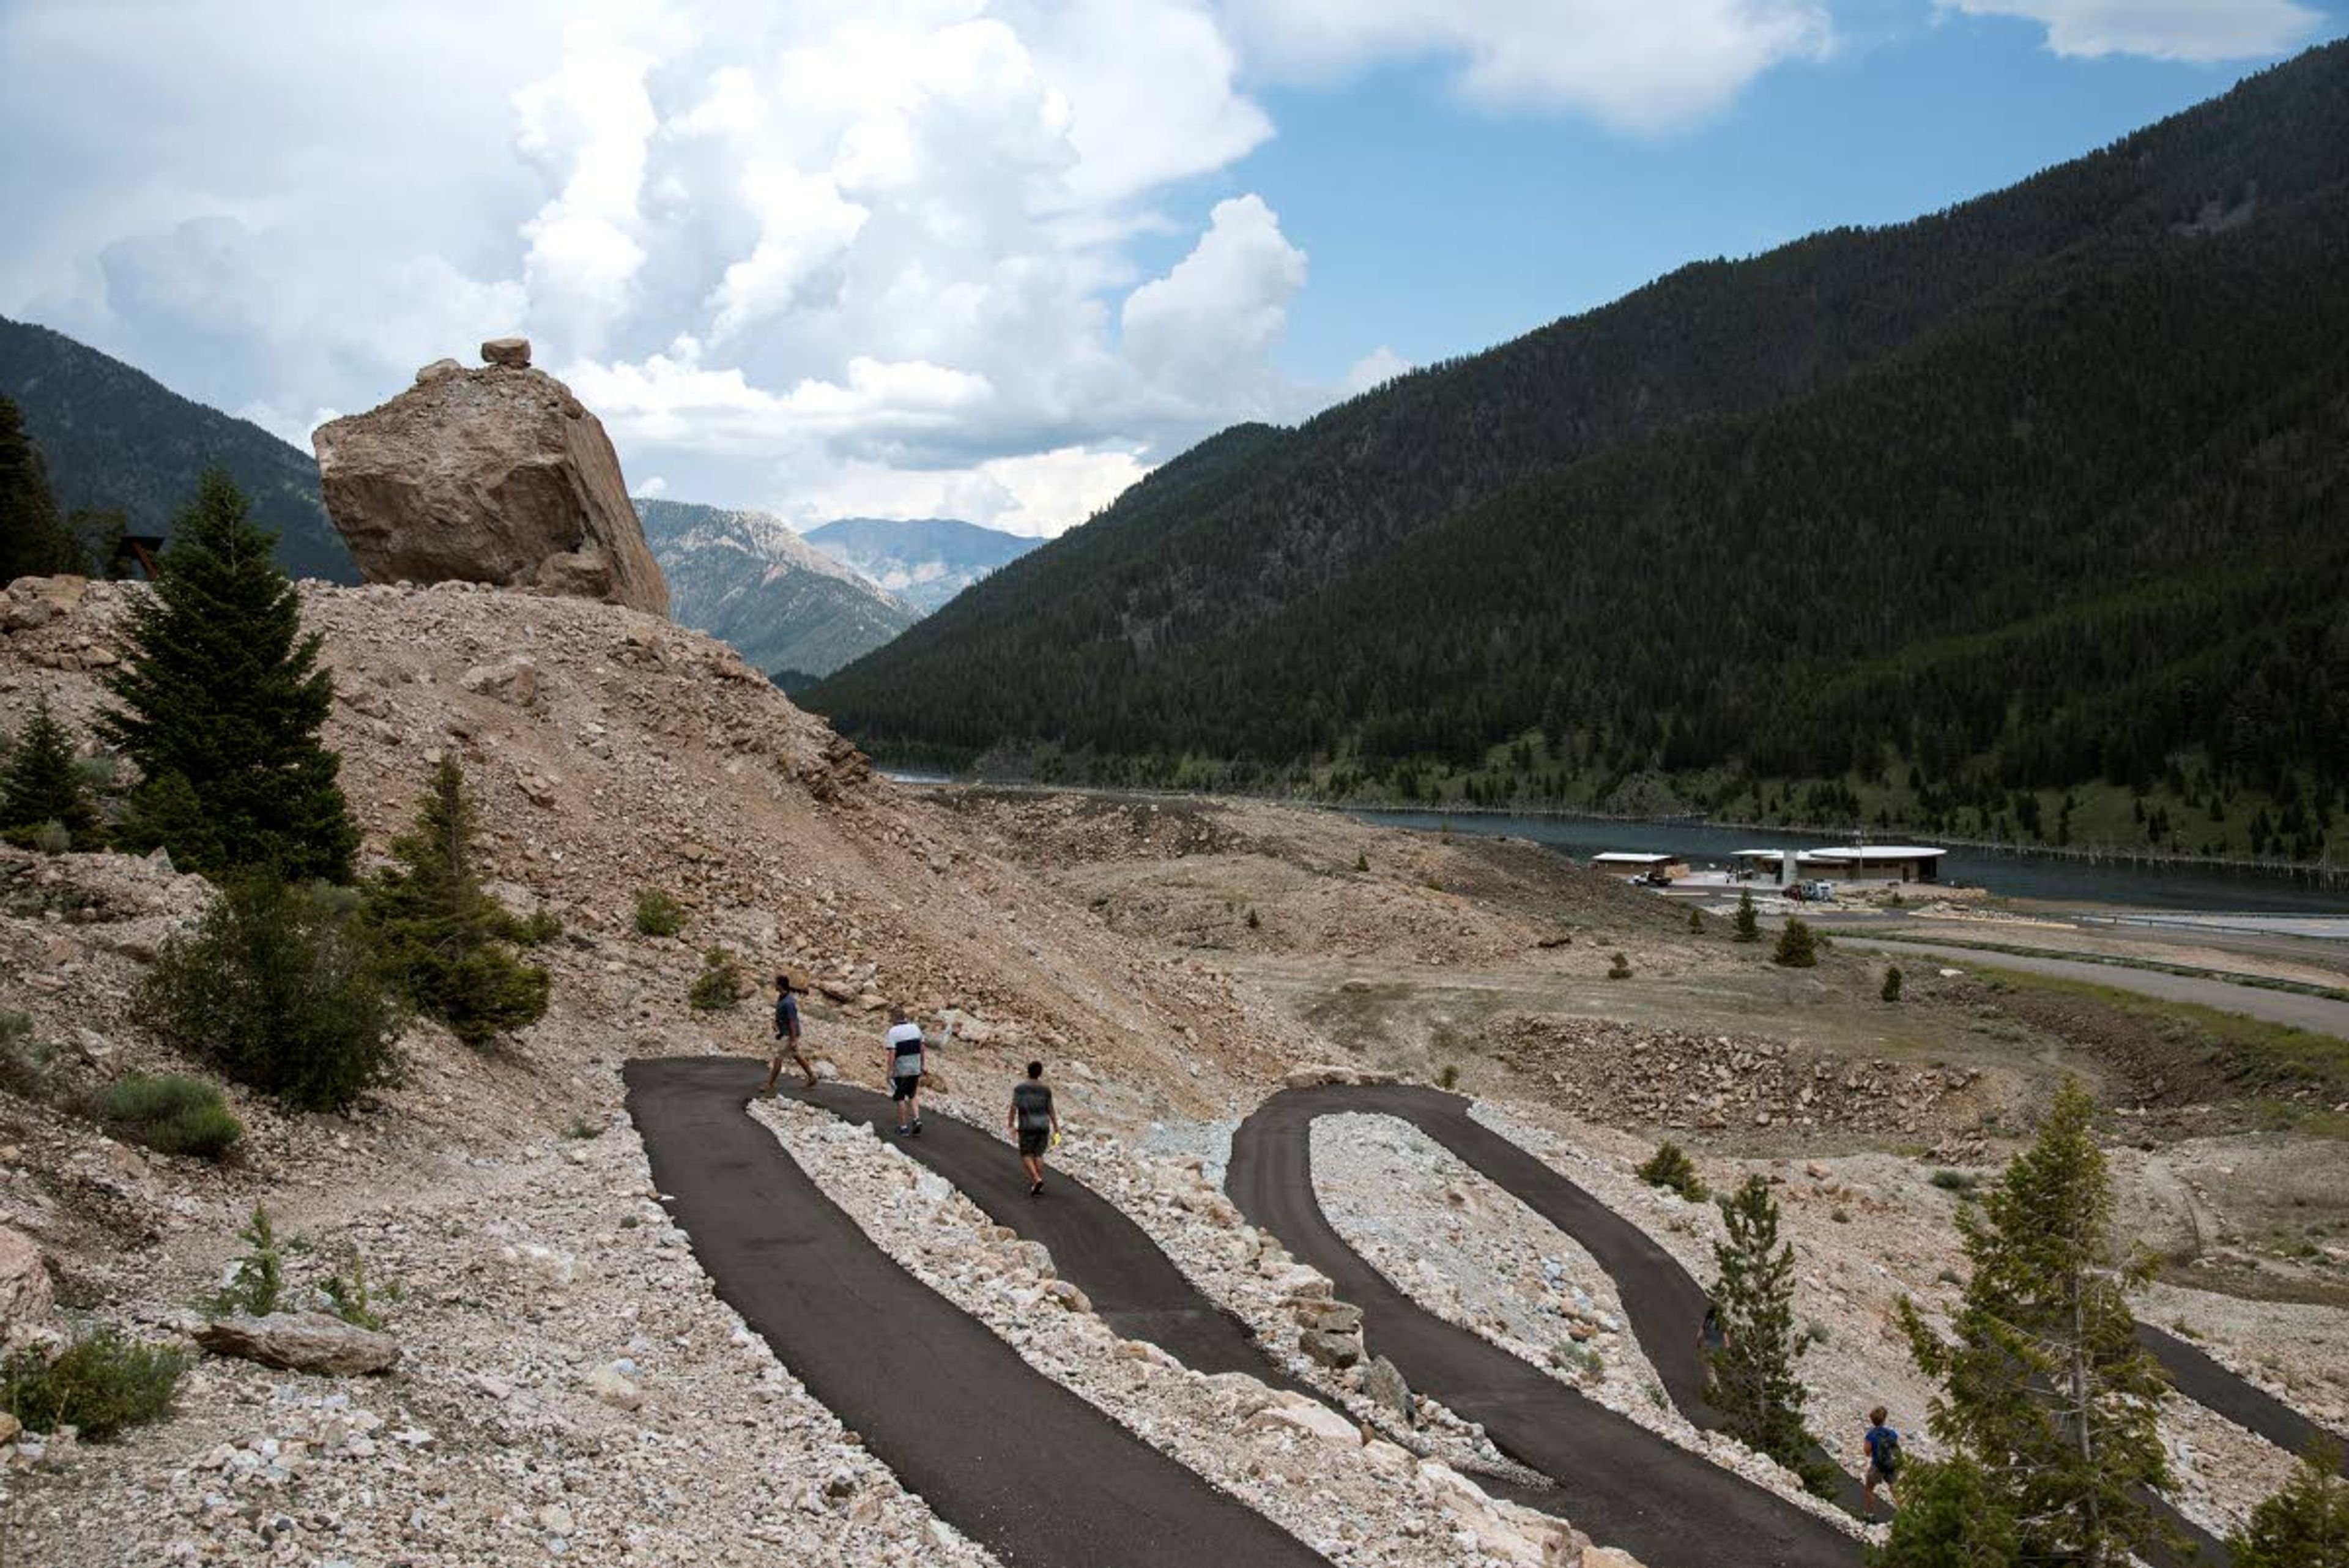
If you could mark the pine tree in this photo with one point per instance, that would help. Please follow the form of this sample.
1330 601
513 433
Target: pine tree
1747 927
2305 1525
164 811
220 684
33 542
1751 1374
441 934
42 784
1796 949
1950 1516
2043 1384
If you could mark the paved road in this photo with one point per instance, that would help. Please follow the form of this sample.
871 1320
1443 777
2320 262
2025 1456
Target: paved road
1619 1482
2320 1014
1006 1455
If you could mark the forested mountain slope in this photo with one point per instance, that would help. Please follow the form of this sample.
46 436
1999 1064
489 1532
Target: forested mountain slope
115 439
2046 486
786 607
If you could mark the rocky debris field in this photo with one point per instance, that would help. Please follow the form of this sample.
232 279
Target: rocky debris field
569 1389
1631 1075
1351 1496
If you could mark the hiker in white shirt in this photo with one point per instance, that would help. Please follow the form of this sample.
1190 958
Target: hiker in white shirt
902 1064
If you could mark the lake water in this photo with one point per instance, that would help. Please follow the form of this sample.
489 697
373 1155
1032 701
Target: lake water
2016 873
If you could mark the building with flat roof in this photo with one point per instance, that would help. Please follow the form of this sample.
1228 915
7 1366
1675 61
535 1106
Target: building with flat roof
1845 862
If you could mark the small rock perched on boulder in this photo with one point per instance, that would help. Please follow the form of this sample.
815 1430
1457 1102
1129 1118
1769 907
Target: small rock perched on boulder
496 475
302 1342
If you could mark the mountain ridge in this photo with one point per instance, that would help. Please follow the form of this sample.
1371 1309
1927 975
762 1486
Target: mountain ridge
746 578
115 438
925 561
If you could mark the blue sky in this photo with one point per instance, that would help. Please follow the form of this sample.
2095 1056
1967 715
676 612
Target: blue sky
987 258
1442 229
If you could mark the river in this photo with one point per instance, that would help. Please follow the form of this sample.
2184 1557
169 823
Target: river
2014 873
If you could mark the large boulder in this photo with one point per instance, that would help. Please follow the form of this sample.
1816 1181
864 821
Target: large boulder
495 476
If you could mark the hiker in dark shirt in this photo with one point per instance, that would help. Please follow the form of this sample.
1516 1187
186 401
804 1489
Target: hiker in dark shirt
1034 1124
787 1036
1883 1445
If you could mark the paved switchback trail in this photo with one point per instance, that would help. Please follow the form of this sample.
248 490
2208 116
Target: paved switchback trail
1620 1484
1007 1456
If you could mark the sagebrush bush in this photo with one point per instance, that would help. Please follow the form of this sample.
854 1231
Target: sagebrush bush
174 1113
277 987
657 914
1671 1168
100 1383
718 986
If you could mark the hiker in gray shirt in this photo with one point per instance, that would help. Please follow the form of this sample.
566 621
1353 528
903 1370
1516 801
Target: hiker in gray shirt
787 1036
1033 1121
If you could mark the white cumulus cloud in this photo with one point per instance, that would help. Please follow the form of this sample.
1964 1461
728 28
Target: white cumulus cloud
2196 30
1644 66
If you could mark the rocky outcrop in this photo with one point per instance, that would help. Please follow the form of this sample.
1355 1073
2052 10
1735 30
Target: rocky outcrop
495 475
302 1342
24 1292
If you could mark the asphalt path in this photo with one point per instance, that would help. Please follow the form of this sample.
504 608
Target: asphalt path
2322 1013
1006 1455
1620 1484
1133 1286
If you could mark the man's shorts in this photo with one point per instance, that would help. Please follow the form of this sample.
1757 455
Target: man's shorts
903 1089
1032 1144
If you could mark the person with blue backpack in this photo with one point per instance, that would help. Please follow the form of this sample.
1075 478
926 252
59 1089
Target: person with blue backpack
1883 1445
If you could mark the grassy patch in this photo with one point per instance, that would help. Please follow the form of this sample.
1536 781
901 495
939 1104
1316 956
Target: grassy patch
1358 1009
2264 1060
174 1113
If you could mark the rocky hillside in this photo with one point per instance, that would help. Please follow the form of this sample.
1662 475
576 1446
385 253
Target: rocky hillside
748 580
923 561
116 438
